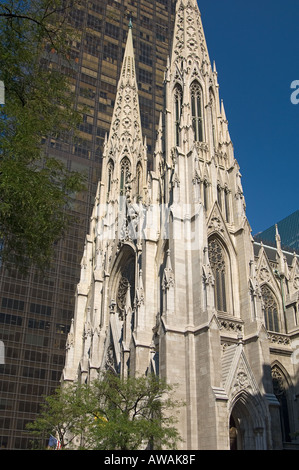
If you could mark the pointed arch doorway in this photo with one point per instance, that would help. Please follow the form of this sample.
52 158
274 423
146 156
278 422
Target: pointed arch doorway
246 425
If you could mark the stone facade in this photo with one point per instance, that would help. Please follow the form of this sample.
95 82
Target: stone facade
172 281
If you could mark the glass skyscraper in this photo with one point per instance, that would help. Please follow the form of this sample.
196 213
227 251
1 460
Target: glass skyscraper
35 311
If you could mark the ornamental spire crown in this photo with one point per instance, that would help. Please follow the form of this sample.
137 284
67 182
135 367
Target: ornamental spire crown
188 40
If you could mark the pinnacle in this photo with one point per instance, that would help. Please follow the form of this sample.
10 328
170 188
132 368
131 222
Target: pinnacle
128 67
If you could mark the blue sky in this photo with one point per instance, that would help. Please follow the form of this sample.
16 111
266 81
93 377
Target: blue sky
255 45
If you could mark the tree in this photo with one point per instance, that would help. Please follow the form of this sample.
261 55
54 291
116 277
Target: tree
113 414
35 189
132 413
62 415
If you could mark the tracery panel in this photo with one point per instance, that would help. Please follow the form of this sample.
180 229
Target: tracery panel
218 263
270 309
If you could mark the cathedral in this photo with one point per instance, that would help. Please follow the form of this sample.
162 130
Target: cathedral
172 281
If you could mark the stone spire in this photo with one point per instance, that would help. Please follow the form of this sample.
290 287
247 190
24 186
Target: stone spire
188 40
125 154
125 130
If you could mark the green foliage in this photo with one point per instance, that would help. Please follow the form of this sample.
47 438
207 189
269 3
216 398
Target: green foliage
113 414
62 415
136 411
32 212
35 190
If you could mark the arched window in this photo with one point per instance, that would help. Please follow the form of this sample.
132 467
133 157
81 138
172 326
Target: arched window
178 99
270 309
196 110
217 258
124 174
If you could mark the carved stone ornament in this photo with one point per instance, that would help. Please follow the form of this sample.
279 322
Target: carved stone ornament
296 282
70 341
207 276
121 294
264 274
279 382
216 224
168 279
241 381
281 339
230 325
110 360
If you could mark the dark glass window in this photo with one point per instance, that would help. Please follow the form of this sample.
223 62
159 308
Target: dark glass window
12 304
112 30
110 51
145 55
10 319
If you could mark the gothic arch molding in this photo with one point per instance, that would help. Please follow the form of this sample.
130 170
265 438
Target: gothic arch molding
247 422
220 265
124 267
222 262
217 229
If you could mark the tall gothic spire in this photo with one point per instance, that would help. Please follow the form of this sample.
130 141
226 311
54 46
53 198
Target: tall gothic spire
125 130
188 40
